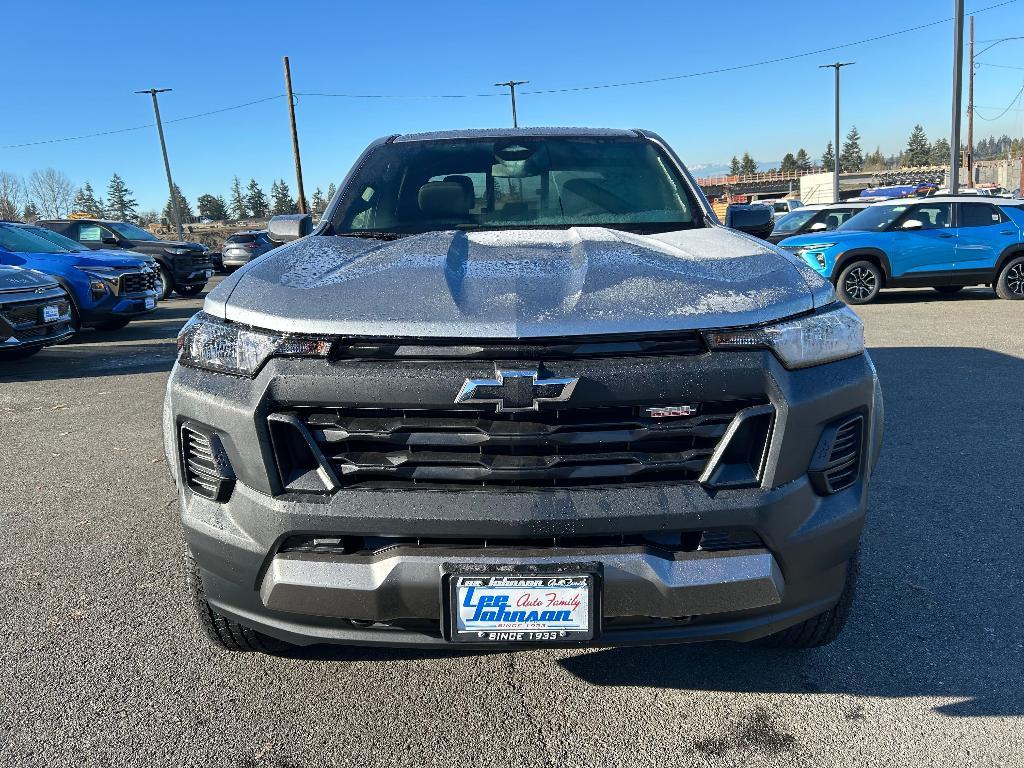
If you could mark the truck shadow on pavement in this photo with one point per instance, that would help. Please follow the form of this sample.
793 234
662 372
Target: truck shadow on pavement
923 295
940 604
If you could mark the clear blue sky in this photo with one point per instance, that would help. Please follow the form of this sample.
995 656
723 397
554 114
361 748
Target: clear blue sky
72 68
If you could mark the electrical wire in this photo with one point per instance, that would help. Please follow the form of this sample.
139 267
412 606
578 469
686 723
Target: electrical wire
999 66
140 127
1008 108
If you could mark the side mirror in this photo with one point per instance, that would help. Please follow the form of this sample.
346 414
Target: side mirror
756 220
110 240
288 227
911 224
818 226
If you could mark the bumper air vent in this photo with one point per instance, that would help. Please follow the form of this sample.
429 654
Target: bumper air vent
205 466
837 459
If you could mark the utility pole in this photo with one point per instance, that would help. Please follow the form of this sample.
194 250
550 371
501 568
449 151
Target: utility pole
835 147
958 93
970 115
511 85
295 135
167 165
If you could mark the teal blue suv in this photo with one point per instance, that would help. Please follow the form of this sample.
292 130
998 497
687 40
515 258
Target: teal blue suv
946 243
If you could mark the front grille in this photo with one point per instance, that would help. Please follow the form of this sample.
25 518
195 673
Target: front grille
662 542
42 331
200 261
137 282
207 471
29 314
557 447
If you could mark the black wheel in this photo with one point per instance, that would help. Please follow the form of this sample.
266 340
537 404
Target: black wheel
164 282
19 354
222 631
949 290
189 290
1010 284
113 325
825 627
859 282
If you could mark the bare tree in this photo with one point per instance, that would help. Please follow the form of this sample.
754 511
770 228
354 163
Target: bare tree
12 195
52 192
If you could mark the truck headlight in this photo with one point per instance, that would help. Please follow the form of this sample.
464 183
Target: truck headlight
208 342
832 334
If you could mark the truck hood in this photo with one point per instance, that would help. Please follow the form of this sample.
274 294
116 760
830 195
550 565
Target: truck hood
519 284
160 245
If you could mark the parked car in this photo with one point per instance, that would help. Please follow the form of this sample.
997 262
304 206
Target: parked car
781 206
943 242
35 312
533 394
242 247
814 218
184 267
106 290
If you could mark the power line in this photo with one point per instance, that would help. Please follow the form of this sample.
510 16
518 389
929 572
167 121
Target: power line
139 127
999 66
1008 108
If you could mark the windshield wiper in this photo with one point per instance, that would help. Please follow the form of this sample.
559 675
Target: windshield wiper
371 234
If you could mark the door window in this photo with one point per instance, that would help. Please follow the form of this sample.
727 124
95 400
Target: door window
932 215
979 215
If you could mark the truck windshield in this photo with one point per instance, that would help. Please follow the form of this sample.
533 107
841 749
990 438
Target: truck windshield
13 238
516 183
130 231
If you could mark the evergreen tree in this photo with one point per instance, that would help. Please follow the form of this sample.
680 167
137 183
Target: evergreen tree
734 166
828 159
939 154
319 204
281 199
918 149
237 205
788 163
183 207
256 200
29 212
212 207
85 201
852 158
803 162
331 191
120 203
875 161
748 165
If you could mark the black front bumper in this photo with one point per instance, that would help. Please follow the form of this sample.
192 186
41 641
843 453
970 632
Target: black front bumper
394 597
189 270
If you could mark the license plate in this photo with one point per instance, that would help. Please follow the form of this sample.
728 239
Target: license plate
522 606
208 273
51 313
150 303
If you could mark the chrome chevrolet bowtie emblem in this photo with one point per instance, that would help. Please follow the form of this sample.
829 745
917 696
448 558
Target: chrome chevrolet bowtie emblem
516 390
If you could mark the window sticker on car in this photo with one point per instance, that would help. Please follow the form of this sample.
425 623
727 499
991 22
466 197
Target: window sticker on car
87 233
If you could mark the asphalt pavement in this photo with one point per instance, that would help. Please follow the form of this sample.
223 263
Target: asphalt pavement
103 664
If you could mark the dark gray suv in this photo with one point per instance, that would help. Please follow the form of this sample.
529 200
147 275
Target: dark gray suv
522 387
242 247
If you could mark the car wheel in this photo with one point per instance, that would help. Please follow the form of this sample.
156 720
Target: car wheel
949 290
19 354
189 290
859 283
164 283
825 627
1010 284
222 631
113 325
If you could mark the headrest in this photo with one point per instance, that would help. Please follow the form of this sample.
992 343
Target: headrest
444 199
467 185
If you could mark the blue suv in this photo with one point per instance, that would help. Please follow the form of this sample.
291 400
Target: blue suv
943 242
107 290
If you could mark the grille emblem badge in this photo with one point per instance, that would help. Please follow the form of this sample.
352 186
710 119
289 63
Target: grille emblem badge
667 411
516 390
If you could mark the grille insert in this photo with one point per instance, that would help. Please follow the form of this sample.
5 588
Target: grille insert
29 314
546 448
137 282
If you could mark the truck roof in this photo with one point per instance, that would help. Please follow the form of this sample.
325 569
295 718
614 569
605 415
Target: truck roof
504 133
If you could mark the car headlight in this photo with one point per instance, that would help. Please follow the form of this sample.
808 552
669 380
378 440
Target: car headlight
814 252
825 336
179 251
101 279
216 345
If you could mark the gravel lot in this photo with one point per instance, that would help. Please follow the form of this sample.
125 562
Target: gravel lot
103 664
